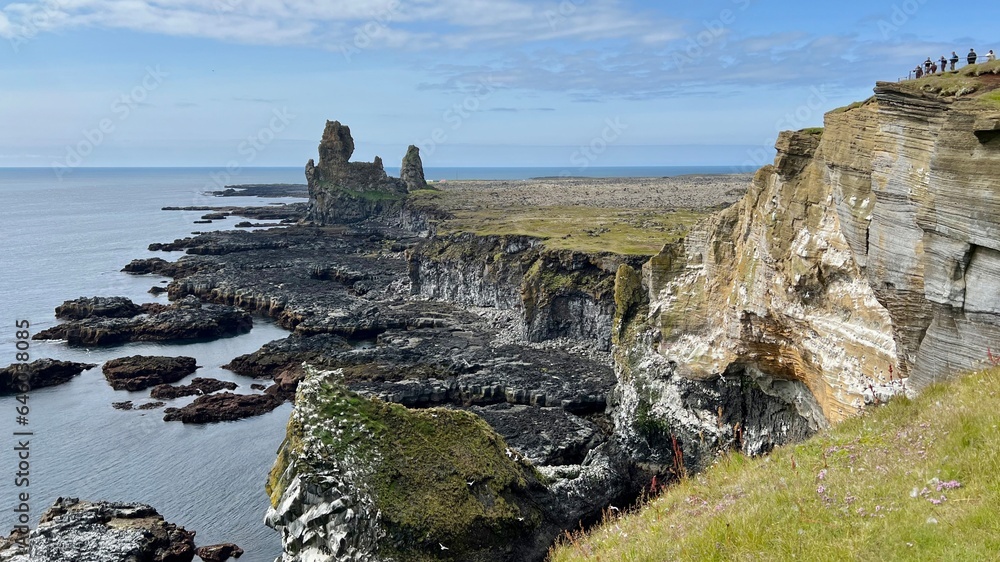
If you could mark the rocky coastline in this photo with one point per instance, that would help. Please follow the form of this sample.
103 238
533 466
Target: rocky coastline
512 358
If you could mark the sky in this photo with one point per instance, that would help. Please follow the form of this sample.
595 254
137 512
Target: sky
562 83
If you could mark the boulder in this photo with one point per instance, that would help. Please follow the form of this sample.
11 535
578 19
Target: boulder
225 406
73 529
198 386
97 307
39 374
138 372
219 552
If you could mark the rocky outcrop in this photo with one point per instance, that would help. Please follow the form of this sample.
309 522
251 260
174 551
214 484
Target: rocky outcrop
224 406
102 307
100 532
359 479
341 191
219 552
183 320
138 372
197 387
412 170
20 377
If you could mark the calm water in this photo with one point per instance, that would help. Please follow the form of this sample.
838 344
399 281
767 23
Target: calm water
67 239
70 237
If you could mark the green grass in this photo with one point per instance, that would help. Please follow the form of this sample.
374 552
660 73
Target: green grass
586 229
864 490
965 81
571 227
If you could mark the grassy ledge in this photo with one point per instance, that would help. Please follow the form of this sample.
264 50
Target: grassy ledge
912 480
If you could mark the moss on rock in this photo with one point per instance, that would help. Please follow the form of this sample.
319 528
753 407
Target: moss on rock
435 477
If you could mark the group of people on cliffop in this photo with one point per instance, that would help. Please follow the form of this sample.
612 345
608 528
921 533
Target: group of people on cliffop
932 67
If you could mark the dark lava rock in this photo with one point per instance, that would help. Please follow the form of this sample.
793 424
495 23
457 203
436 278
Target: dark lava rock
155 266
39 374
141 371
213 216
126 405
412 170
202 222
185 319
264 190
244 224
198 386
223 407
97 307
219 552
257 386
157 290
102 532
151 406
341 191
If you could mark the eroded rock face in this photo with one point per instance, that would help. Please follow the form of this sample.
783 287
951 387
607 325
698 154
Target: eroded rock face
341 191
102 307
412 170
141 371
862 264
38 374
557 293
101 532
219 552
358 479
185 319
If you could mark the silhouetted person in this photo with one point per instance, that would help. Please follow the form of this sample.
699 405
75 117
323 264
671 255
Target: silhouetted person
972 56
944 64
918 72
953 60
927 66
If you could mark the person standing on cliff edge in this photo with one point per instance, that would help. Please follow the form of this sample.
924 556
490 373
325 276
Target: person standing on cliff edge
953 60
990 57
944 64
972 56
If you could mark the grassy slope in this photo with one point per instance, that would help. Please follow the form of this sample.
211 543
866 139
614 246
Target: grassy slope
864 490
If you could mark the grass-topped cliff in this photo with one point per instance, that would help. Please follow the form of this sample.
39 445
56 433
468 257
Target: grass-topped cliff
979 81
911 480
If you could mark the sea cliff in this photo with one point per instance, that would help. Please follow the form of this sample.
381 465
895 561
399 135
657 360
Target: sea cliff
859 266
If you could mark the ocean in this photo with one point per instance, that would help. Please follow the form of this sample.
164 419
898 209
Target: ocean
68 237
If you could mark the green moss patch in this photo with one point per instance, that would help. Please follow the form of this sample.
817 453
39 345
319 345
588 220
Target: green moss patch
438 476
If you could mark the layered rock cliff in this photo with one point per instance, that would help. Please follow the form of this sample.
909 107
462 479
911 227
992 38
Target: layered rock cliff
862 264
554 293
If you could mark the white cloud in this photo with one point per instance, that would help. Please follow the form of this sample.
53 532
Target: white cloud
393 24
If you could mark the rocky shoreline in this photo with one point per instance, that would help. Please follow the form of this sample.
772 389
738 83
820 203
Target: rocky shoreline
511 329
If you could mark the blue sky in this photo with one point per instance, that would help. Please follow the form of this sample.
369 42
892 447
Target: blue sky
564 83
